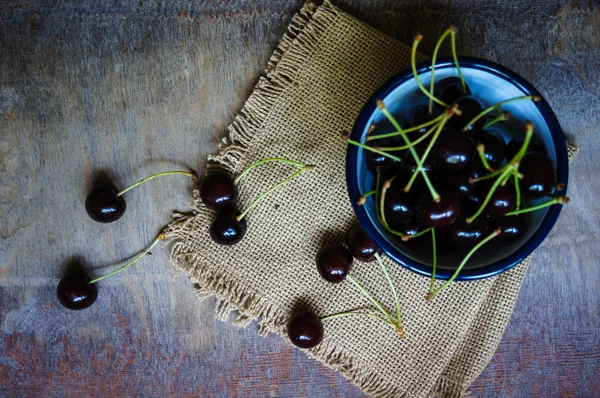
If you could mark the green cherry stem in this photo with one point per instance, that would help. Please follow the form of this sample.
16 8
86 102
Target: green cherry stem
354 313
433 60
252 166
413 64
392 287
517 188
392 119
503 117
367 295
363 199
164 173
413 143
370 148
409 130
453 43
434 250
136 258
268 191
380 207
434 293
495 186
559 200
481 152
528 134
409 237
535 98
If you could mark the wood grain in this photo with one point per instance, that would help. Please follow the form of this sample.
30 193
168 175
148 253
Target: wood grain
127 90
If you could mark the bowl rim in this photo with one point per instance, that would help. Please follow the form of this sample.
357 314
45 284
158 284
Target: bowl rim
561 169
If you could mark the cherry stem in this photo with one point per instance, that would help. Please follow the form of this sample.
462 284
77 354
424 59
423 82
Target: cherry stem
462 264
409 130
496 106
164 173
409 237
433 59
481 151
517 188
414 143
367 295
559 200
136 258
384 188
349 313
380 207
419 168
413 64
497 183
268 191
369 148
249 168
363 199
460 75
528 134
392 119
503 117
392 286
434 250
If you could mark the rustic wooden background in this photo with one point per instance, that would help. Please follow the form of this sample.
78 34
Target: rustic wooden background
124 89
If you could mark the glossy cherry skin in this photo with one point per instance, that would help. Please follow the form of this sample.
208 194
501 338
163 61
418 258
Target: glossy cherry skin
503 199
416 116
413 227
439 214
470 108
75 292
305 329
103 205
218 191
461 182
375 161
399 206
453 150
467 235
361 245
333 262
539 177
409 165
449 90
225 229
513 227
514 146
495 147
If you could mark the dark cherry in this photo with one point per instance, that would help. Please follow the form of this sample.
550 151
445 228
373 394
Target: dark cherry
399 206
467 235
495 147
413 226
514 146
460 182
439 214
333 262
513 227
218 191
74 290
539 177
416 116
361 245
305 329
225 229
470 108
449 90
502 201
375 161
453 150
103 205
409 165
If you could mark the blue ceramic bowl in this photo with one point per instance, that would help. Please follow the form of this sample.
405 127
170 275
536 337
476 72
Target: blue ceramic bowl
490 83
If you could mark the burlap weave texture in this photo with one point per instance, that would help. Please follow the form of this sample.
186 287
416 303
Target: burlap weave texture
317 81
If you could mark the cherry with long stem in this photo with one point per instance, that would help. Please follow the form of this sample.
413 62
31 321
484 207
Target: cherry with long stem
559 200
380 205
437 291
383 109
164 173
534 98
413 64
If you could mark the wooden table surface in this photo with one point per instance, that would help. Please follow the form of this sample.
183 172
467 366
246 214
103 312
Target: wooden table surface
124 89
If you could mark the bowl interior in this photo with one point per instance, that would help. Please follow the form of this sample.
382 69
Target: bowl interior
490 85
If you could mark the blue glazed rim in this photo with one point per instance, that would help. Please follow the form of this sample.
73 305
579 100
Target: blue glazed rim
360 127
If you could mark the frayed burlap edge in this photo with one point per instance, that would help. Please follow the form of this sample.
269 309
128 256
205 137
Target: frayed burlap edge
304 31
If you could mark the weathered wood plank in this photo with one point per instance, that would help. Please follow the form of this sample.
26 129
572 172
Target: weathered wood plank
128 89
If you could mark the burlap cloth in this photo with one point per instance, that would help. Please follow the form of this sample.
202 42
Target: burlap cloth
325 68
